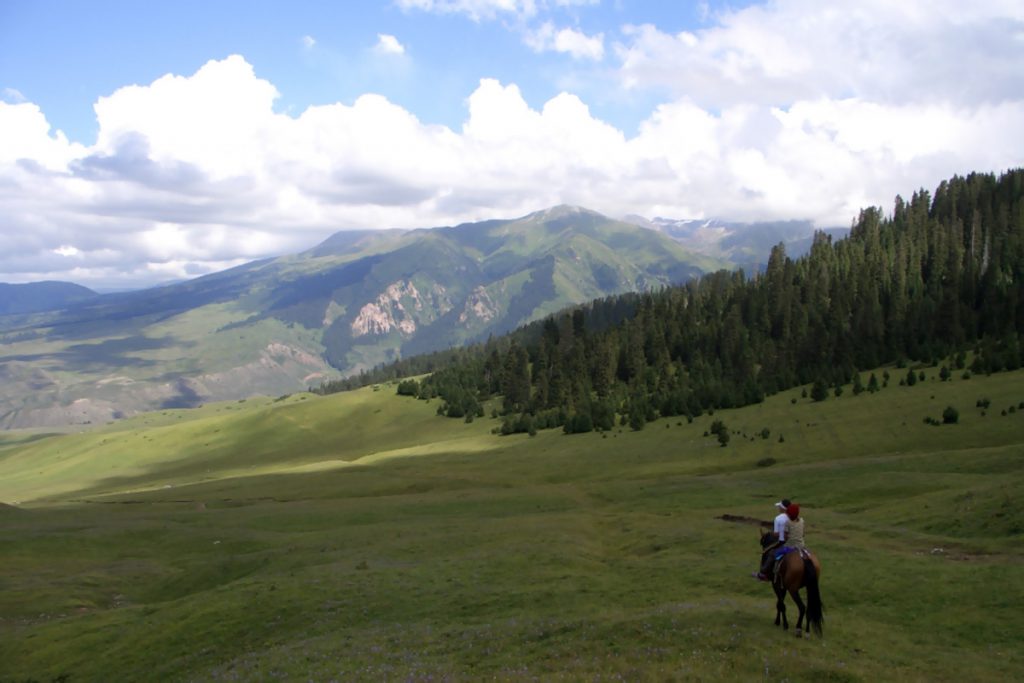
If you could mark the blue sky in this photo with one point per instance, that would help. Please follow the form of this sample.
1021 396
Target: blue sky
141 142
63 55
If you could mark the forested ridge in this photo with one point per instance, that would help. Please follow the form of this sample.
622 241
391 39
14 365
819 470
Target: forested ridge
940 277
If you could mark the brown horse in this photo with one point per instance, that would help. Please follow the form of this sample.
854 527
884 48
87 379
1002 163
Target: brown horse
794 573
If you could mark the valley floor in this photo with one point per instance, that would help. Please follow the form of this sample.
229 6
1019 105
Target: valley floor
361 537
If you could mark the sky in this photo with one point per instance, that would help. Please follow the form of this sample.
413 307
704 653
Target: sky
148 142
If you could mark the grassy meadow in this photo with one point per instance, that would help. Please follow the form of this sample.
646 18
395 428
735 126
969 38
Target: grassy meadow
361 537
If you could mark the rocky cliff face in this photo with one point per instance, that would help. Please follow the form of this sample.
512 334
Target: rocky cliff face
400 307
388 312
479 305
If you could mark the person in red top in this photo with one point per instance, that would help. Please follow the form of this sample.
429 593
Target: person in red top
793 532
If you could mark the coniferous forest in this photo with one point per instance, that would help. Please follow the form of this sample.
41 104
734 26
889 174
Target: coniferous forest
940 278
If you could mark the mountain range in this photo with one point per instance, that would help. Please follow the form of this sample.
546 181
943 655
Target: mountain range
743 245
358 299
41 296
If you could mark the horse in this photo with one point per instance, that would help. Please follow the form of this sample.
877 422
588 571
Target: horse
794 573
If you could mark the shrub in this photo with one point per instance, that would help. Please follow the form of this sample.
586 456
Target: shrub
765 433
782 439
723 438
950 415
766 462
409 387
983 403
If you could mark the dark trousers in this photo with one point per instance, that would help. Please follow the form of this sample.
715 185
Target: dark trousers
768 558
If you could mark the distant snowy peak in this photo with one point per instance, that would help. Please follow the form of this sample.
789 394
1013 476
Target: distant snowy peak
747 245
700 228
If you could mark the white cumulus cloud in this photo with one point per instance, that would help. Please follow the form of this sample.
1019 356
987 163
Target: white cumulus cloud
14 96
791 50
389 45
773 112
546 38
476 10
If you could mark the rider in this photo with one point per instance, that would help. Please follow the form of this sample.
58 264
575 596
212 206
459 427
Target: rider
793 533
779 532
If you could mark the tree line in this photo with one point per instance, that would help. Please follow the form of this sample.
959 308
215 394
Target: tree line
939 277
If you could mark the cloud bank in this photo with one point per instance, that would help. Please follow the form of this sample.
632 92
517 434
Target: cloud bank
775 112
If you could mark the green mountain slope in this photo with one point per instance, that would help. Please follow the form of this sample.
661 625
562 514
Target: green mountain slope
357 300
41 296
359 536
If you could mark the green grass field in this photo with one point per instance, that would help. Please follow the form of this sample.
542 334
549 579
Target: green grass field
361 537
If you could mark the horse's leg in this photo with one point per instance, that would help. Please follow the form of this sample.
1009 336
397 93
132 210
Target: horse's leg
780 607
795 592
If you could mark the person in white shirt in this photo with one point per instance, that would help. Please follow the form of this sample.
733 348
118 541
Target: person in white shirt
779 532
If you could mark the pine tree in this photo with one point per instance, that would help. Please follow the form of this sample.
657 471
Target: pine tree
872 383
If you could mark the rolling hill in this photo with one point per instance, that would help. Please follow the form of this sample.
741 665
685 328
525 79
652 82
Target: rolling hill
360 536
34 297
356 300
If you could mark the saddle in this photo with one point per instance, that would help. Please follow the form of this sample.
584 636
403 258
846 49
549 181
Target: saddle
780 555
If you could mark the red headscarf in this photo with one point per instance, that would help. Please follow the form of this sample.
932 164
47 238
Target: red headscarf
793 511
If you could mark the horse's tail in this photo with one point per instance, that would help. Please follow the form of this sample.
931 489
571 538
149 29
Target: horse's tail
815 610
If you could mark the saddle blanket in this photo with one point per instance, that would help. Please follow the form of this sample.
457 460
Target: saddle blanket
784 550
781 553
